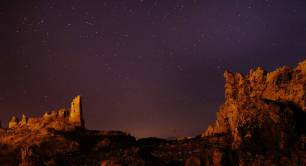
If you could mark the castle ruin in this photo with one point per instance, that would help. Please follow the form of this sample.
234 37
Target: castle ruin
59 119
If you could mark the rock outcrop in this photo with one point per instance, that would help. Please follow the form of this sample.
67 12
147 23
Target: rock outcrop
263 108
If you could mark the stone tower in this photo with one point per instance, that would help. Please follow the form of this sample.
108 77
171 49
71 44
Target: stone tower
76 115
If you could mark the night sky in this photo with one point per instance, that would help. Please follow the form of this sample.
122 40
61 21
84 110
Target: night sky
148 67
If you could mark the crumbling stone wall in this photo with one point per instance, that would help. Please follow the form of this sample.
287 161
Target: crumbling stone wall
59 119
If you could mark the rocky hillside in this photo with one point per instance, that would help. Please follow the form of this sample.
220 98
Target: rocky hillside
262 122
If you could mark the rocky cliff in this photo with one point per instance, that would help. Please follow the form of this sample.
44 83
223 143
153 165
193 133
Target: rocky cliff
263 109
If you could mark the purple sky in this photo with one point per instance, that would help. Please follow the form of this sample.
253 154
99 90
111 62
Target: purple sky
152 68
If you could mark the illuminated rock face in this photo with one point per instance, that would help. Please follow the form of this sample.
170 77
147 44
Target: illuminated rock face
264 105
75 115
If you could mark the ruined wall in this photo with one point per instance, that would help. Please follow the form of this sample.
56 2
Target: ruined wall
62 119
